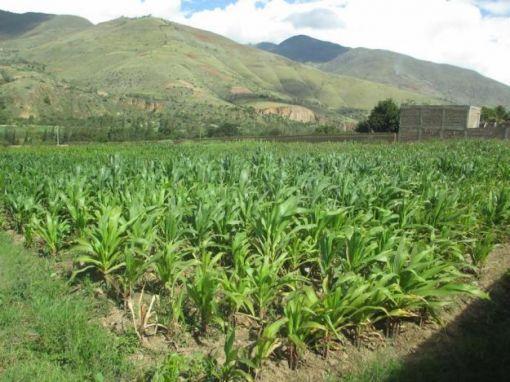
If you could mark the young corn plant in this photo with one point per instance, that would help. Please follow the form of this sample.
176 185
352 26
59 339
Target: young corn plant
77 201
170 268
52 231
268 283
203 290
360 250
101 248
233 369
135 267
425 282
265 345
347 308
21 208
238 291
482 248
300 324
271 227
496 207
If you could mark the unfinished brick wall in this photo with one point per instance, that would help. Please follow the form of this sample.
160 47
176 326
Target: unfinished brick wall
439 117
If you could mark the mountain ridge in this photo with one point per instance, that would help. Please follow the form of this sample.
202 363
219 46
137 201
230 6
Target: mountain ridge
152 58
302 48
447 81
451 83
16 25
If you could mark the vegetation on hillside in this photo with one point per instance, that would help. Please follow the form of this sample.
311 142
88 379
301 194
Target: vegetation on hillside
306 246
167 67
446 82
449 83
14 24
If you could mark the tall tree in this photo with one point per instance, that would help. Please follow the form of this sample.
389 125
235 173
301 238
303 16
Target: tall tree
385 117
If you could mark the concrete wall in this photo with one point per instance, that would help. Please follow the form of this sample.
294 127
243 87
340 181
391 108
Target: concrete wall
475 113
439 117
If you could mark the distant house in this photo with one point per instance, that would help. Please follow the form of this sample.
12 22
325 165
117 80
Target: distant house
439 117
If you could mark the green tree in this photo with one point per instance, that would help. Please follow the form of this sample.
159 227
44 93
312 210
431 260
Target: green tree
385 117
227 129
501 114
495 115
488 115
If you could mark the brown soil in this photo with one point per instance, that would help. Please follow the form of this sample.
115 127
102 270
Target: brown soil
240 90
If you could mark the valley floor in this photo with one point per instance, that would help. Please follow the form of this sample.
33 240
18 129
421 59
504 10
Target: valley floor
49 329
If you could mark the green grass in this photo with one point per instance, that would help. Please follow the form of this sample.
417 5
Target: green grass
47 333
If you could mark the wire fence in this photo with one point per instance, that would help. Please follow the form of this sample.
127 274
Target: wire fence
404 136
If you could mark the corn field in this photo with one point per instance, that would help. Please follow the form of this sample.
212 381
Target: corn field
306 246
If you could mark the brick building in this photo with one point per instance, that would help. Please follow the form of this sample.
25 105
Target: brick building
425 118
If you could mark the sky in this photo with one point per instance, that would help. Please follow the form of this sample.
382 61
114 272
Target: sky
474 34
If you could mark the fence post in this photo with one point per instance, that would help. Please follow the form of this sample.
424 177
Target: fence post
420 128
443 123
507 133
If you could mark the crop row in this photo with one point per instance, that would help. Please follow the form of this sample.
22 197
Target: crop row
306 246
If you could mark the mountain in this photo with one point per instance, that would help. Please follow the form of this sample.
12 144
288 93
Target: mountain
184 71
452 83
449 83
267 46
14 24
305 49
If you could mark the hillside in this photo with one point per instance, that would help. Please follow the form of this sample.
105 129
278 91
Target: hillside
37 27
439 80
13 24
447 82
157 58
26 90
305 49
153 65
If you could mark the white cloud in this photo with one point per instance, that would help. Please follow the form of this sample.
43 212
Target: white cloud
318 18
446 31
468 33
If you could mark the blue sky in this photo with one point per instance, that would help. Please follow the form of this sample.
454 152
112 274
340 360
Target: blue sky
190 6
200 5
